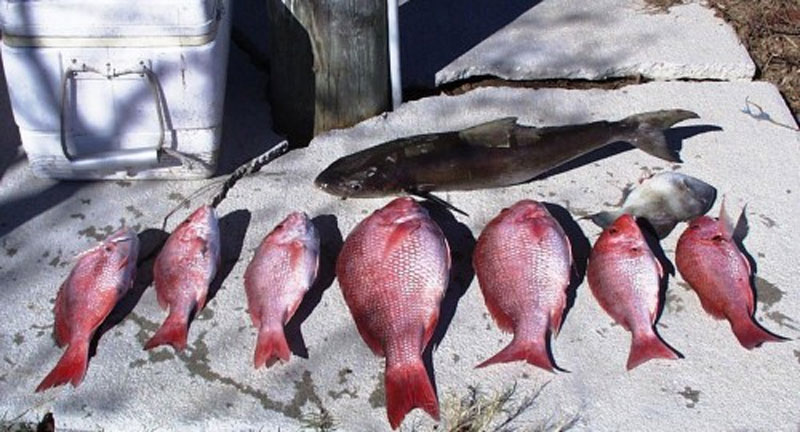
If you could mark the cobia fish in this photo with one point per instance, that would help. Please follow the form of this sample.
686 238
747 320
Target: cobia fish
664 200
393 270
101 277
494 154
182 273
708 259
624 277
523 261
281 272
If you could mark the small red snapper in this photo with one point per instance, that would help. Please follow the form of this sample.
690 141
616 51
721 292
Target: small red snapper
101 277
182 273
523 261
281 272
624 276
709 260
393 270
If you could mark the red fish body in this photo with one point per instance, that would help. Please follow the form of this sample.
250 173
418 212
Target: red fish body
624 276
393 270
281 272
709 260
523 260
182 273
99 279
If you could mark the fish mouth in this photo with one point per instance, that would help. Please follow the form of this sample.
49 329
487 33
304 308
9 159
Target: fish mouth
321 182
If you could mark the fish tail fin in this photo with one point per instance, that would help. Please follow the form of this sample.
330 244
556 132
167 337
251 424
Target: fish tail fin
70 368
533 353
647 131
408 387
270 347
649 346
604 218
751 334
173 332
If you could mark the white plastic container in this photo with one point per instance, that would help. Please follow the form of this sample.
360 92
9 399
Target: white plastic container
110 89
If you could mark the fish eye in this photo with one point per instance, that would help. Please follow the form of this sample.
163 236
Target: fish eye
355 186
109 248
613 231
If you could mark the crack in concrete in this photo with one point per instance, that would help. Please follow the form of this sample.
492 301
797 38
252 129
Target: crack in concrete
195 358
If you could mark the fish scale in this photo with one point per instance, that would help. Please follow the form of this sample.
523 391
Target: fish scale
709 260
624 277
522 260
100 278
182 274
282 270
393 271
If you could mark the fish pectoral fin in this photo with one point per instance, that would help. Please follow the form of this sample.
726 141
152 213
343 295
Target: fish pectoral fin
493 134
435 199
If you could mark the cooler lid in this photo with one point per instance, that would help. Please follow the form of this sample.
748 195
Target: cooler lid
108 19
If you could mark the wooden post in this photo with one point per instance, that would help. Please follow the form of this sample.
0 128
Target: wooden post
328 64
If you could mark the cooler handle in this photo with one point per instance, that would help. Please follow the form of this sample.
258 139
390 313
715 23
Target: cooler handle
116 160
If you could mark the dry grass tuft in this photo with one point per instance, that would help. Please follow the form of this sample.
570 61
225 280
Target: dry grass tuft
498 412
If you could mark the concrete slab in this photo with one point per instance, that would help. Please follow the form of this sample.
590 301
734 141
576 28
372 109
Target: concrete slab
212 385
569 39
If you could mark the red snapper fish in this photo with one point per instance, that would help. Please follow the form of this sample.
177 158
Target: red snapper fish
182 273
624 276
393 270
281 272
101 277
523 261
709 260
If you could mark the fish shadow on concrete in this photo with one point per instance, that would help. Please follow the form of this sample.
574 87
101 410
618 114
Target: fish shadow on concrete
462 244
581 247
232 229
740 231
651 238
330 244
674 136
150 242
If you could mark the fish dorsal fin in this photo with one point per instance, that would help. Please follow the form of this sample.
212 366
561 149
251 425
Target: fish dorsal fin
725 221
495 133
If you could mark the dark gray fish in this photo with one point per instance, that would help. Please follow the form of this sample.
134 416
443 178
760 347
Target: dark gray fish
494 154
664 200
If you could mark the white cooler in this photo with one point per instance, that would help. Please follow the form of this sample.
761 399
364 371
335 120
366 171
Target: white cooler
112 89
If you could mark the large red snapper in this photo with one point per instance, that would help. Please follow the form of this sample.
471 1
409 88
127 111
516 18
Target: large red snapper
625 277
101 276
182 273
710 261
393 270
523 260
281 272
